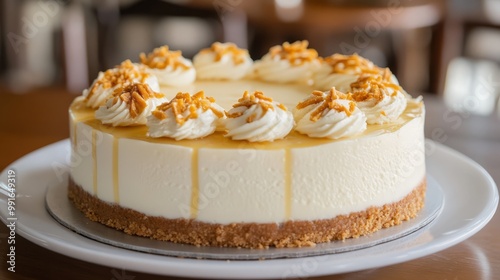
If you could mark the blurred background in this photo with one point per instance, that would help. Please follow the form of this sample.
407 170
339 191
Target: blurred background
449 48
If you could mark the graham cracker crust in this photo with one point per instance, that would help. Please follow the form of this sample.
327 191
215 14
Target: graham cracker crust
248 235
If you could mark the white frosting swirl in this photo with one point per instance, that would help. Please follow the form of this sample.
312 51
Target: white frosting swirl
170 67
99 93
340 71
385 111
257 118
324 79
170 76
129 106
329 115
382 102
287 63
125 74
222 62
281 71
187 123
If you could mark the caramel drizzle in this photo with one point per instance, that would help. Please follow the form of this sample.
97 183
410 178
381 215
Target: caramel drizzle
296 53
183 102
220 50
256 98
94 160
162 57
135 95
328 102
347 63
373 87
123 75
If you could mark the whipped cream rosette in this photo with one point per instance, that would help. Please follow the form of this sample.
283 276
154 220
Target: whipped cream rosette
257 118
129 105
340 71
381 101
287 63
186 117
330 114
222 61
124 74
170 67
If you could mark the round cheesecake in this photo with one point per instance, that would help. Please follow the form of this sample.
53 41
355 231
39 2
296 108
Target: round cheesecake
216 190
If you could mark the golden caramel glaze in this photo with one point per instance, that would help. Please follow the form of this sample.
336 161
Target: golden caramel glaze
80 113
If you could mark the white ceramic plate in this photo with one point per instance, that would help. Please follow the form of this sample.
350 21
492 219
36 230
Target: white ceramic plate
462 181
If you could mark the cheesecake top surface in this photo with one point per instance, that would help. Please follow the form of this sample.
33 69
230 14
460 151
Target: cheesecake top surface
274 102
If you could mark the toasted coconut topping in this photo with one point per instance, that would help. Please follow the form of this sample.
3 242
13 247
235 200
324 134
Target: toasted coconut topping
296 53
248 100
220 50
369 87
162 57
135 95
183 102
122 75
328 102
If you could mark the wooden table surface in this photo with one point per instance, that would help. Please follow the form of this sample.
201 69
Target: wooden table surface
34 120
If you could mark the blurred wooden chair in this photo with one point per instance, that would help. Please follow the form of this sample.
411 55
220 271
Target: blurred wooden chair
460 26
109 17
470 61
322 20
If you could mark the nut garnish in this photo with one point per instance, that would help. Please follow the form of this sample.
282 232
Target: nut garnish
256 98
123 75
369 87
328 102
220 50
162 57
183 102
135 95
354 63
296 53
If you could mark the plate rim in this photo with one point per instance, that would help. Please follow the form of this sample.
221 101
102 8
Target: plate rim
110 256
